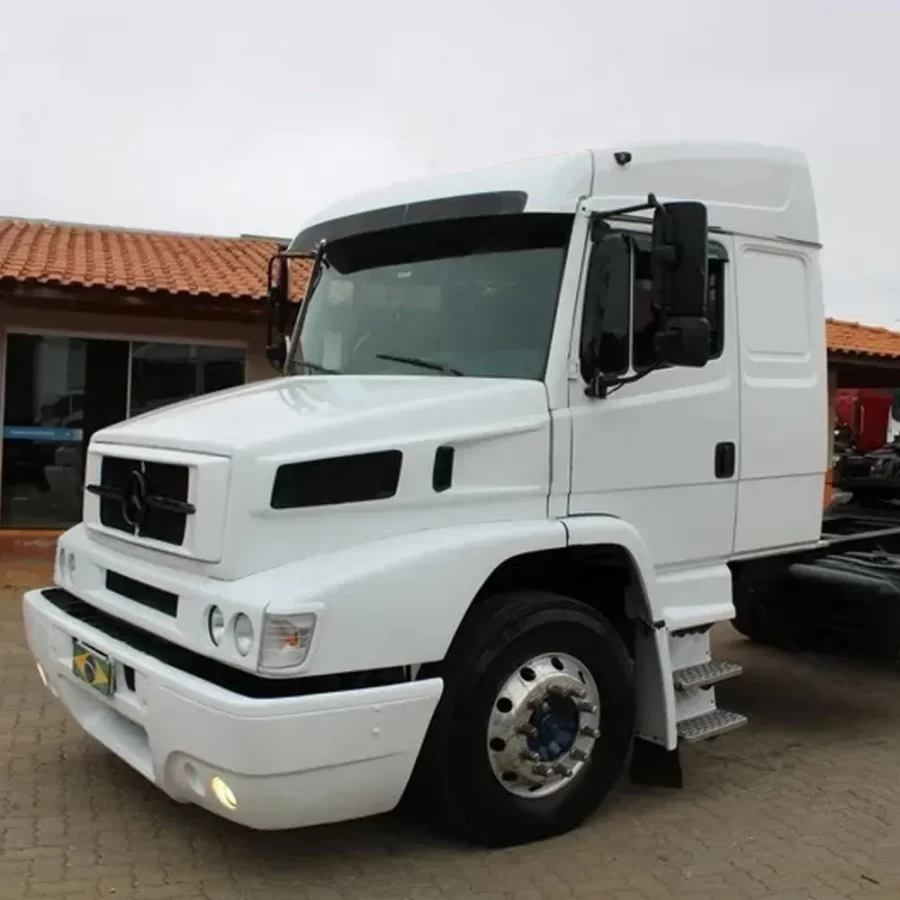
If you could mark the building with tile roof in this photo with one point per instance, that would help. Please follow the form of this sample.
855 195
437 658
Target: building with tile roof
99 323
863 355
45 253
852 338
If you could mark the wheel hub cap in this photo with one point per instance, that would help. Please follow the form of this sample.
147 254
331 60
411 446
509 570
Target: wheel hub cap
544 725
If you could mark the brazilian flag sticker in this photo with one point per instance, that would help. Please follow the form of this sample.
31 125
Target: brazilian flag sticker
93 668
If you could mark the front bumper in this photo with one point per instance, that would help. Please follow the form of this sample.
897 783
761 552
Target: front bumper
290 762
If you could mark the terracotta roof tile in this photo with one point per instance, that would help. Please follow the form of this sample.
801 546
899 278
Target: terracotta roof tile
75 255
863 340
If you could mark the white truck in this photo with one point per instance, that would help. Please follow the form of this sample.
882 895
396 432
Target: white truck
534 430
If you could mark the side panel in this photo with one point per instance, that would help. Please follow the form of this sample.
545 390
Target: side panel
783 426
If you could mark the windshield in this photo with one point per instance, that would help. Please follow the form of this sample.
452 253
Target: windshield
463 297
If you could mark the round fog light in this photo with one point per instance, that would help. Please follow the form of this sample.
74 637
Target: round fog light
223 793
243 634
216 625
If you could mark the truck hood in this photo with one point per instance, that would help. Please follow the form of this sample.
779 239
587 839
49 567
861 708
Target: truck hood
284 414
499 431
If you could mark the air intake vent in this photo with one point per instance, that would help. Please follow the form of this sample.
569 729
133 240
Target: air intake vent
442 474
343 479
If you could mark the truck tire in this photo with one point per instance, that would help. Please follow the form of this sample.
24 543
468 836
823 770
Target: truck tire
748 622
752 616
535 724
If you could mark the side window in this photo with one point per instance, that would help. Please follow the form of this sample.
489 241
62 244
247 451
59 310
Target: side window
606 324
715 307
621 330
645 318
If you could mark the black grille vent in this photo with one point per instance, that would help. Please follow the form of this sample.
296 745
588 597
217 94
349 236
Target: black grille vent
165 488
145 594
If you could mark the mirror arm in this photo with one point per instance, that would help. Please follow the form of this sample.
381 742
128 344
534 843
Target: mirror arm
600 386
600 227
650 203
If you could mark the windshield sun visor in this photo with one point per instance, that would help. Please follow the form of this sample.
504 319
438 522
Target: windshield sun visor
494 203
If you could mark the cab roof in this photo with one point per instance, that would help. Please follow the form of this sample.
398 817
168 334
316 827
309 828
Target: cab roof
751 189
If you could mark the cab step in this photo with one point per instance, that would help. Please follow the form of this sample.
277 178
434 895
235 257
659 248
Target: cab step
705 674
709 725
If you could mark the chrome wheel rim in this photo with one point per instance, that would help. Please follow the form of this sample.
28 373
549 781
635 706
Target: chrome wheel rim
543 725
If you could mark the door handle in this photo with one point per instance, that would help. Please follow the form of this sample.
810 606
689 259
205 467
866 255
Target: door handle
726 454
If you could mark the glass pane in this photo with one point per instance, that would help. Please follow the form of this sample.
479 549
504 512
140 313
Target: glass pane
605 327
58 392
166 373
403 301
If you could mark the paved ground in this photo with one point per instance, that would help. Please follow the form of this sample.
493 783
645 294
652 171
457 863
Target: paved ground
802 803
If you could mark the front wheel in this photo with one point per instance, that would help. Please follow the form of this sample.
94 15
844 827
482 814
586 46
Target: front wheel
536 722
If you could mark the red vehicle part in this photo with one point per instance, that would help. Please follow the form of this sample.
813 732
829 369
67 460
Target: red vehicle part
867 413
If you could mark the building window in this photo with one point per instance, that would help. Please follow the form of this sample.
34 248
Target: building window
59 391
166 373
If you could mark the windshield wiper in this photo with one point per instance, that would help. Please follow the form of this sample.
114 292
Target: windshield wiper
421 363
315 367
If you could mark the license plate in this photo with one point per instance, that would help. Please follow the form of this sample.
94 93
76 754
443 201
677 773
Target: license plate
93 668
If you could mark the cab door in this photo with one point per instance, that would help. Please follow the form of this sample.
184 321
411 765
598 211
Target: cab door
661 450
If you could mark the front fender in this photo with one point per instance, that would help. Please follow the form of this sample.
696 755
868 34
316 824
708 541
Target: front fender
396 601
614 532
656 716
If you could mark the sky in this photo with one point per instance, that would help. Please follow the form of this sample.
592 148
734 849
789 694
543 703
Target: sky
233 117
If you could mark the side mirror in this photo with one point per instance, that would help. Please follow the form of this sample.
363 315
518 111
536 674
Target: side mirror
684 341
275 298
277 295
679 256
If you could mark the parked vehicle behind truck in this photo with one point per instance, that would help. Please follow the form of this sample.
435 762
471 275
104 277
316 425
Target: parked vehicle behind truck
536 425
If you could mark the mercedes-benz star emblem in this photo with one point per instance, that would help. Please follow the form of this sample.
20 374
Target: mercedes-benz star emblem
134 500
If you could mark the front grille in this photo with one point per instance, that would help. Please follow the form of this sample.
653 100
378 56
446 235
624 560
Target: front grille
163 516
239 682
145 594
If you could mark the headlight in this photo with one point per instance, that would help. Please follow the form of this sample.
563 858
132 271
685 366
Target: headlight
286 640
216 625
243 634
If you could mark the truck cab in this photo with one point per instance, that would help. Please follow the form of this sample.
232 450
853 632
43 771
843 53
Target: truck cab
469 546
